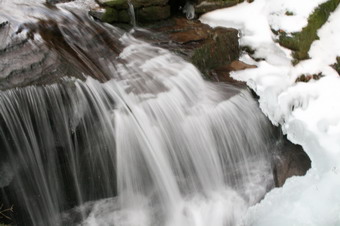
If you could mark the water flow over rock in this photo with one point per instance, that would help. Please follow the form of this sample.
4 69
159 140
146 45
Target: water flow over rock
154 145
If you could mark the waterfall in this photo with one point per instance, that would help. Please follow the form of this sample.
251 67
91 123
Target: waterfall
132 14
152 144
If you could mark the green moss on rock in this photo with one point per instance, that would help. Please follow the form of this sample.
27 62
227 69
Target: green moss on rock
124 16
212 54
110 15
300 42
336 66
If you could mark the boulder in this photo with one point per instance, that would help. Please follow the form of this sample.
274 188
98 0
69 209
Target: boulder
207 48
291 160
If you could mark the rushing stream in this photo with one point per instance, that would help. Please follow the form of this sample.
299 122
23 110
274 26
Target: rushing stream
143 141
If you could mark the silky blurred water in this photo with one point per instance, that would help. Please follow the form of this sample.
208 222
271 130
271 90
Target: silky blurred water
149 144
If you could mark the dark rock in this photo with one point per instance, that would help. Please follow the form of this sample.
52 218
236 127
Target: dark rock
97 13
124 16
290 161
123 4
117 11
110 15
153 13
206 47
204 6
57 1
3 24
336 66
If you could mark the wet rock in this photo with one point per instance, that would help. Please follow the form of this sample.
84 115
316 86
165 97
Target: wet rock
117 11
3 24
291 160
207 48
24 63
110 15
26 60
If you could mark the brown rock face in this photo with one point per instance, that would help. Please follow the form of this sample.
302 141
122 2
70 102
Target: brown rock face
222 74
207 48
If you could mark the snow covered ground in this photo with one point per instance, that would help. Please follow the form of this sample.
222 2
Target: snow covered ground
308 112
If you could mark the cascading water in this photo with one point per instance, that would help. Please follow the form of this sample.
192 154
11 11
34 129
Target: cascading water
154 145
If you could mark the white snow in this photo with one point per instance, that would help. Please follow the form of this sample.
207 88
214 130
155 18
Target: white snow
308 112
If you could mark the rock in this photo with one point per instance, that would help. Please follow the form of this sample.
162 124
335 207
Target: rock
153 13
110 16
204 6
206 47
290 161
123 4
97 13
57 1
117 11
124 16
238 65
336 66
6 174
222 74
220 49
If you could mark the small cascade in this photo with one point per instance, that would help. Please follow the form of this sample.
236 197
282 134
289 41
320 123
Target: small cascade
149 144
132 14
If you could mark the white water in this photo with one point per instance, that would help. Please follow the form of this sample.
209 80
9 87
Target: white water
154 146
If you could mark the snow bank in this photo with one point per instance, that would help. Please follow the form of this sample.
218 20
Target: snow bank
308 112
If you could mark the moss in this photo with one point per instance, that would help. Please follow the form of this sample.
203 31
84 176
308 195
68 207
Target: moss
336 66
300 42
110 15
289 13
307 78
124 16
212 54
